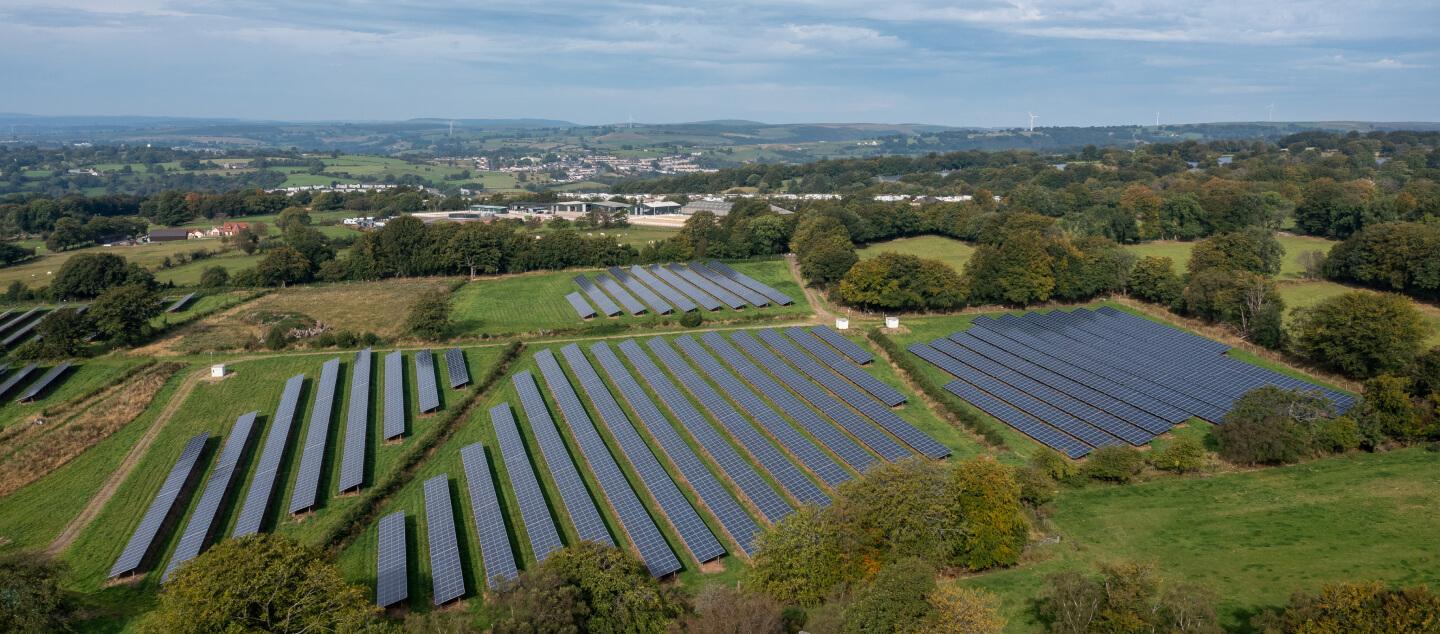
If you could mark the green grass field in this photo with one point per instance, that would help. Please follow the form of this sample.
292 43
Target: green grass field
1290 268
1253 537
948 250
86 376
535 303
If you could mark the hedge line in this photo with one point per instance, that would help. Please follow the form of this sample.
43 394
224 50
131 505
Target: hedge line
953 405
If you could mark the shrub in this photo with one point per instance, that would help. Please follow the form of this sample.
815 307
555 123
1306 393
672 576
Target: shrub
31 599
1115 463
1154 280
956 609
1185 455
215 277
692 319
1125 597
723 610
1269 425
275 338
1386 411
896 600
1363 608
1360 333
898 282
429 316
370 339
587 587
1036 488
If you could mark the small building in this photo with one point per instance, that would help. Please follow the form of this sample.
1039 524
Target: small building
489 209
217 371
168 235
721 207
656 207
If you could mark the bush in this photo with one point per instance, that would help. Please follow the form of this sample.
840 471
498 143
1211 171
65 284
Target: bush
1154 280
1269 425
587 587
1125 597
692 319
1185 455
275 338
1356 607
31 599
1386 411
955 609
429 317
1116 463
1361 333
370 339
897 282
215 277
723 610
896 600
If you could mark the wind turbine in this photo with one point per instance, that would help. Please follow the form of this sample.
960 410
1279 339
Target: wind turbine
1032 122
1270 112
1157 119
452 127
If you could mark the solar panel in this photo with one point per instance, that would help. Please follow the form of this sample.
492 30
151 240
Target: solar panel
21 319
829 435
707 488
704 300
581 308
394 395
750 295
796 444
772 506
392 582
883 416
180 303
16 378
22 332
764 289
643 532
429 394
597 296
456 368
312 457
675 298
446 576
202 519
544 538
43 382
489 519
143 539
578 503
357 423
765 454
706 286
632 305
878 441
844 367
656 304
845 346
672 502
262 483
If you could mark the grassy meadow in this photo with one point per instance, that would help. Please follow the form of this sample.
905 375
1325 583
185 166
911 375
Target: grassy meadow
955 253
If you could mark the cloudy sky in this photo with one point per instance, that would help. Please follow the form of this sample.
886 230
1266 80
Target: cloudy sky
1072 62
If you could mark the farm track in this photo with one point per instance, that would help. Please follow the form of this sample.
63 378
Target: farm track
122 471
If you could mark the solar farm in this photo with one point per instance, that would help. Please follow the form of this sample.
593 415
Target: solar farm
670 288
1083 379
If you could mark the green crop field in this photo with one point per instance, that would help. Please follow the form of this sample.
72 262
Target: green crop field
948 250
535 303
40 271
1253 537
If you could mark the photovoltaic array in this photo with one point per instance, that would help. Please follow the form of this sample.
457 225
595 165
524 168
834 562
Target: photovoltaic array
1084 379
357 423
394 395
582 308
262 484
845 367
142 541
643 532
696 295
634 285
180 303
597 296
663 289
202 519
312 456
775 296
43 382
391 575
446 576
456 368
750 295
581 508
632 305
428 392
704 285
489 520
544 538
675 298
16 378
845 346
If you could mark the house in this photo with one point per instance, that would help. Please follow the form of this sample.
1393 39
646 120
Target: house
231 228
656 207
720 207
168 235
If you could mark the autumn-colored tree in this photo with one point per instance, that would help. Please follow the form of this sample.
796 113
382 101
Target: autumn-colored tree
1357 608
956 609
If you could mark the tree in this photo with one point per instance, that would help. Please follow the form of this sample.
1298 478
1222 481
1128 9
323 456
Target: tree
66 234
1185 455
1248 302
802 558
1361 334
283 266
31 599
1154 280
1255 250
1125 597
1269 425
11 253
123 313
261 583
1313 264
310 243
293 216
724 610
1356 608
895 601
1019 271
956 609
899 282
588 587
429 316
215 277
1424 373
87 275
986 496
63 333
480 247
827 259
247 239
1386 411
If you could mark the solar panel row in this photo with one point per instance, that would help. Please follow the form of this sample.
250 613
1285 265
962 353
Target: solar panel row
883 416
391 576
132 558
656 304
775 296
578 503
708 489
829 435
765 454
873 437
429 393
632 305
581 308
672 502
845 346
447 578
489 520
793 441
394 424
539 526
706 286
202 519
15 378
846 368
643 532
688 289
43 382
597 297
357 423
675 298
750 295
262 483
307 480
23 331
180 303
456 368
